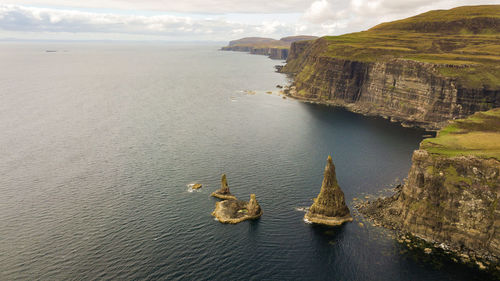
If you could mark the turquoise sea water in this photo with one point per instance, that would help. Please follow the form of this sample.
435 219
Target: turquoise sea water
99 143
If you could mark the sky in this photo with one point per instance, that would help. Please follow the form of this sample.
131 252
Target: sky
202 20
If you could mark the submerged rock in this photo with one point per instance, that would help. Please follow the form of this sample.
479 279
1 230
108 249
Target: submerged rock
329 207
196 186
223 192
234 211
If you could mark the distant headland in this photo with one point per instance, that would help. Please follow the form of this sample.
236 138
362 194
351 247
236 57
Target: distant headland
274 49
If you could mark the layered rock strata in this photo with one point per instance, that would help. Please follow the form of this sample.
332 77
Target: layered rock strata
407 91
223 192
234 211
329 207
421 71
277 53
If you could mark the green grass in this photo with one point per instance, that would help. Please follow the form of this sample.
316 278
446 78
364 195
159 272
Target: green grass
463 20
464 42
477 135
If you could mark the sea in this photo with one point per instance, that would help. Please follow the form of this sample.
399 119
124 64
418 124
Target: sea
100 143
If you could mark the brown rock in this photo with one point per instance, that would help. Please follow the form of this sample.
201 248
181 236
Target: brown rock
329 207
452 201
233 211
223 192
253 206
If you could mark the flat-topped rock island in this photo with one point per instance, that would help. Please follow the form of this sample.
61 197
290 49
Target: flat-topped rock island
234 211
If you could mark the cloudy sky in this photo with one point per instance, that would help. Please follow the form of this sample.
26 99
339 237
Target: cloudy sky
201 20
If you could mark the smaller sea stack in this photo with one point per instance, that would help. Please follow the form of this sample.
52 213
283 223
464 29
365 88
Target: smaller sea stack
253 206
223 192
329 207
235 211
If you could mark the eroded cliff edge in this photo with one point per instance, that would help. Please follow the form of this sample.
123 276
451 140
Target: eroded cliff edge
421 71
451 196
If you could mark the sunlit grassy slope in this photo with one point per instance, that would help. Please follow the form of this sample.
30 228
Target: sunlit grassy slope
477 135
464 42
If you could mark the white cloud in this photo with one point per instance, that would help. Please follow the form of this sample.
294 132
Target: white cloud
184 6
18 18
228 19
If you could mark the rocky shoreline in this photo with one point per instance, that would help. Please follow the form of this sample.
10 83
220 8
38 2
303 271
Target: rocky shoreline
291 92
443 207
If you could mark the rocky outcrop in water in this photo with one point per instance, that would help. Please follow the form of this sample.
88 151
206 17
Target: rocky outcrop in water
234 211
253 206
223 192
329 207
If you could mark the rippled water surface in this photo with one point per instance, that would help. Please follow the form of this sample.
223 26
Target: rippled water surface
99 142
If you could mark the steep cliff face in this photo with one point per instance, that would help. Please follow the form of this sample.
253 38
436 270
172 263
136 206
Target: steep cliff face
451 196
271 52
421 79
409 91
448 200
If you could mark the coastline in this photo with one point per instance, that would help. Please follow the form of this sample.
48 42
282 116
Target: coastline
354 108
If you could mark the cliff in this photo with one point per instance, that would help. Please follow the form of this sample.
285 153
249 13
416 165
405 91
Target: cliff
451 196
329 207
422 71
274 49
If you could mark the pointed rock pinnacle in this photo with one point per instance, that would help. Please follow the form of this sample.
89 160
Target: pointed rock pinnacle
223 192
329 207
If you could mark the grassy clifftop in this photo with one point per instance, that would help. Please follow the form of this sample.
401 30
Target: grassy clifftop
465 20
477 135
463 42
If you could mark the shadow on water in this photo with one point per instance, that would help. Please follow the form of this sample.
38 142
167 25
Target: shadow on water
328 235
339 115
253 227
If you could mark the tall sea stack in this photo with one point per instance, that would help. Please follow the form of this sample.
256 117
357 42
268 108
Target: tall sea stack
329 207
223 192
